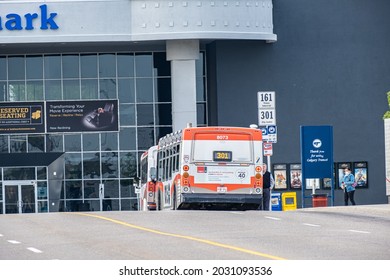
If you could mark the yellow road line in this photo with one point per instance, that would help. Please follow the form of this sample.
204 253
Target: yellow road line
209 242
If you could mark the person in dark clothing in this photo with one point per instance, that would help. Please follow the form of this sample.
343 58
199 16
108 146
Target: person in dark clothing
268 184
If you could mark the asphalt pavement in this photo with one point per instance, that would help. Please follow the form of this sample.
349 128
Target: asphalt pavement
328 233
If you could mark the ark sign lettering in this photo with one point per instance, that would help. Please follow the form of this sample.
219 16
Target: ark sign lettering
43 20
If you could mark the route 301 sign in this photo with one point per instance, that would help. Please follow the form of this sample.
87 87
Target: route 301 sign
266 108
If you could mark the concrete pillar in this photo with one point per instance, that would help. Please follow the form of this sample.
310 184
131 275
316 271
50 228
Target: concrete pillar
183 55
387 156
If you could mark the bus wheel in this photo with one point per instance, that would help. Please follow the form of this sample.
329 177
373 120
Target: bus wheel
159 205
174 199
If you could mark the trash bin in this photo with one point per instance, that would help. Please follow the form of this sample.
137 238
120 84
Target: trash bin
320 200
276 202
289 201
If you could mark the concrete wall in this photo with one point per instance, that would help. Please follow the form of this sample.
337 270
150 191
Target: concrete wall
330 66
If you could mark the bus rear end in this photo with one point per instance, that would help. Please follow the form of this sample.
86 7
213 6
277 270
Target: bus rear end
221 168
147 197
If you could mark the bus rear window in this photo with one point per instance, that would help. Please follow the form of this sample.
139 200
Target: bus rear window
229 151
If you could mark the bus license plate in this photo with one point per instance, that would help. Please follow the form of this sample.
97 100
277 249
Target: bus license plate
221 189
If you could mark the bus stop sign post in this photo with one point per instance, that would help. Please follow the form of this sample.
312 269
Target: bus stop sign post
317 156
266 107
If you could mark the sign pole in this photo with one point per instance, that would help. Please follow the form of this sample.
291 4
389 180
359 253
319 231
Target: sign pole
269 163
266 108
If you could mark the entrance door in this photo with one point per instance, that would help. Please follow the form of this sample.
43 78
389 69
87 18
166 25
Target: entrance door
19 198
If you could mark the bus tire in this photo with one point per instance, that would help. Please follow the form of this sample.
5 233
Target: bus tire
159 202
174 199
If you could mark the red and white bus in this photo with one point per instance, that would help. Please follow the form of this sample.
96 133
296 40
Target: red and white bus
209 168
147 193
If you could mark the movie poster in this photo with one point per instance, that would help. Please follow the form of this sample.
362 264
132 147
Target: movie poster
280 176
360 171
82 116
327 183
22 117
295 176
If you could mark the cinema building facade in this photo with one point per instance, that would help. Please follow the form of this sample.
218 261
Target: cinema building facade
86 86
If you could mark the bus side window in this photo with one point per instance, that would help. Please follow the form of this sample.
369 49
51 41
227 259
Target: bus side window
178 157
160 165
144 168
165 165
153 174
169 163
172 168
169 160
174 159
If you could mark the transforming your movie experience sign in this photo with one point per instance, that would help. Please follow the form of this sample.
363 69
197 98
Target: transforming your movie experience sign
59 116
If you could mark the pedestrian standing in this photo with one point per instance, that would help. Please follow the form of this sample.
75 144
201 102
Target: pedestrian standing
268 184
348 185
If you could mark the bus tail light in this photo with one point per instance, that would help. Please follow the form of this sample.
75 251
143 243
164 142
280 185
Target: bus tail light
152 187
258 177
186 167
185 179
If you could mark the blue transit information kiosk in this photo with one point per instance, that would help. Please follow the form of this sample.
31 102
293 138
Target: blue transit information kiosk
316 156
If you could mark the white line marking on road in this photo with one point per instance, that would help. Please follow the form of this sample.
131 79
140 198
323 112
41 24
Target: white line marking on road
359 231
1 235
311 225
32 249
237 213
13 241
272 218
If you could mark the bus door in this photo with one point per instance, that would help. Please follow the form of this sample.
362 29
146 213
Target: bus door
19 197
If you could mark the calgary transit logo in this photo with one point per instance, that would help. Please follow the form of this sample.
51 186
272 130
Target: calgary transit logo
317 143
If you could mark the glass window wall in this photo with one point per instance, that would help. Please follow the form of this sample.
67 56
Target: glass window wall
99 167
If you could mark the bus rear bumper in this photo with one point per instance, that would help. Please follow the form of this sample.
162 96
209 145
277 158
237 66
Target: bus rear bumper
215 201
152 206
